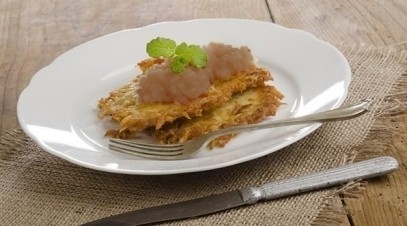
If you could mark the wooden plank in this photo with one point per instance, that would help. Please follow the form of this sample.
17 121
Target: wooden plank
357 22
384 202
34 33
361 22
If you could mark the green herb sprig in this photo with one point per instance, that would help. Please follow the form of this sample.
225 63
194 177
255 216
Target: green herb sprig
181 55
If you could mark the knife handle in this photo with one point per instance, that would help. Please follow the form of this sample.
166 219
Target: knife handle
339 175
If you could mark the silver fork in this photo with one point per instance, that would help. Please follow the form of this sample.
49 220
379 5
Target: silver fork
182 150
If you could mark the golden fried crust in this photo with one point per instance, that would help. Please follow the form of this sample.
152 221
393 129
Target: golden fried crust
147 63
122 106
248 107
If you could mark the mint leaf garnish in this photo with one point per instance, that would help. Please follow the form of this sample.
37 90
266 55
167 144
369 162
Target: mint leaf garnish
178 64
198 55
184 51
161 47
180 55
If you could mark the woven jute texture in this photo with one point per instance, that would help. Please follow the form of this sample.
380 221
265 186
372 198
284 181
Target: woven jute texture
37 188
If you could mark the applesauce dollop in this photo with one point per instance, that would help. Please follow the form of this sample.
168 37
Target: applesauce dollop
160 84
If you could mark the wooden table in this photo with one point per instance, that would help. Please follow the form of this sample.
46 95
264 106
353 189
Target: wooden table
33 33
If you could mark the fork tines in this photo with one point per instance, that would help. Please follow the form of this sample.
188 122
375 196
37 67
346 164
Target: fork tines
145 149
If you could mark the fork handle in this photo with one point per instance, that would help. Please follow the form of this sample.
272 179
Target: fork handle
343 113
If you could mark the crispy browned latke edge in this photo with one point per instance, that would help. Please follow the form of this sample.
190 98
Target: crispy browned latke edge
133 117
266 104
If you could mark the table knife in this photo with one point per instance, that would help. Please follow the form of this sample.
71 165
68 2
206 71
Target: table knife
250 195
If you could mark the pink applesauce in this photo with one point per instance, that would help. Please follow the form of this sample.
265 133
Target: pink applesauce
160 84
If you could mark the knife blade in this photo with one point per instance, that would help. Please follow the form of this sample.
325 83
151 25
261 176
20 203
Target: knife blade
250 195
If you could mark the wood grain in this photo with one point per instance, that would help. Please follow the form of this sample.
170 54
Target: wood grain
375 23
384 202
360 22
34 33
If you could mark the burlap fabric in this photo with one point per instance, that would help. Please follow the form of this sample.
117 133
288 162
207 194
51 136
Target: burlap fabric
37 188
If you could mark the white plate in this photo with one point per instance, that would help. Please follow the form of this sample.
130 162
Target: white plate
58 108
